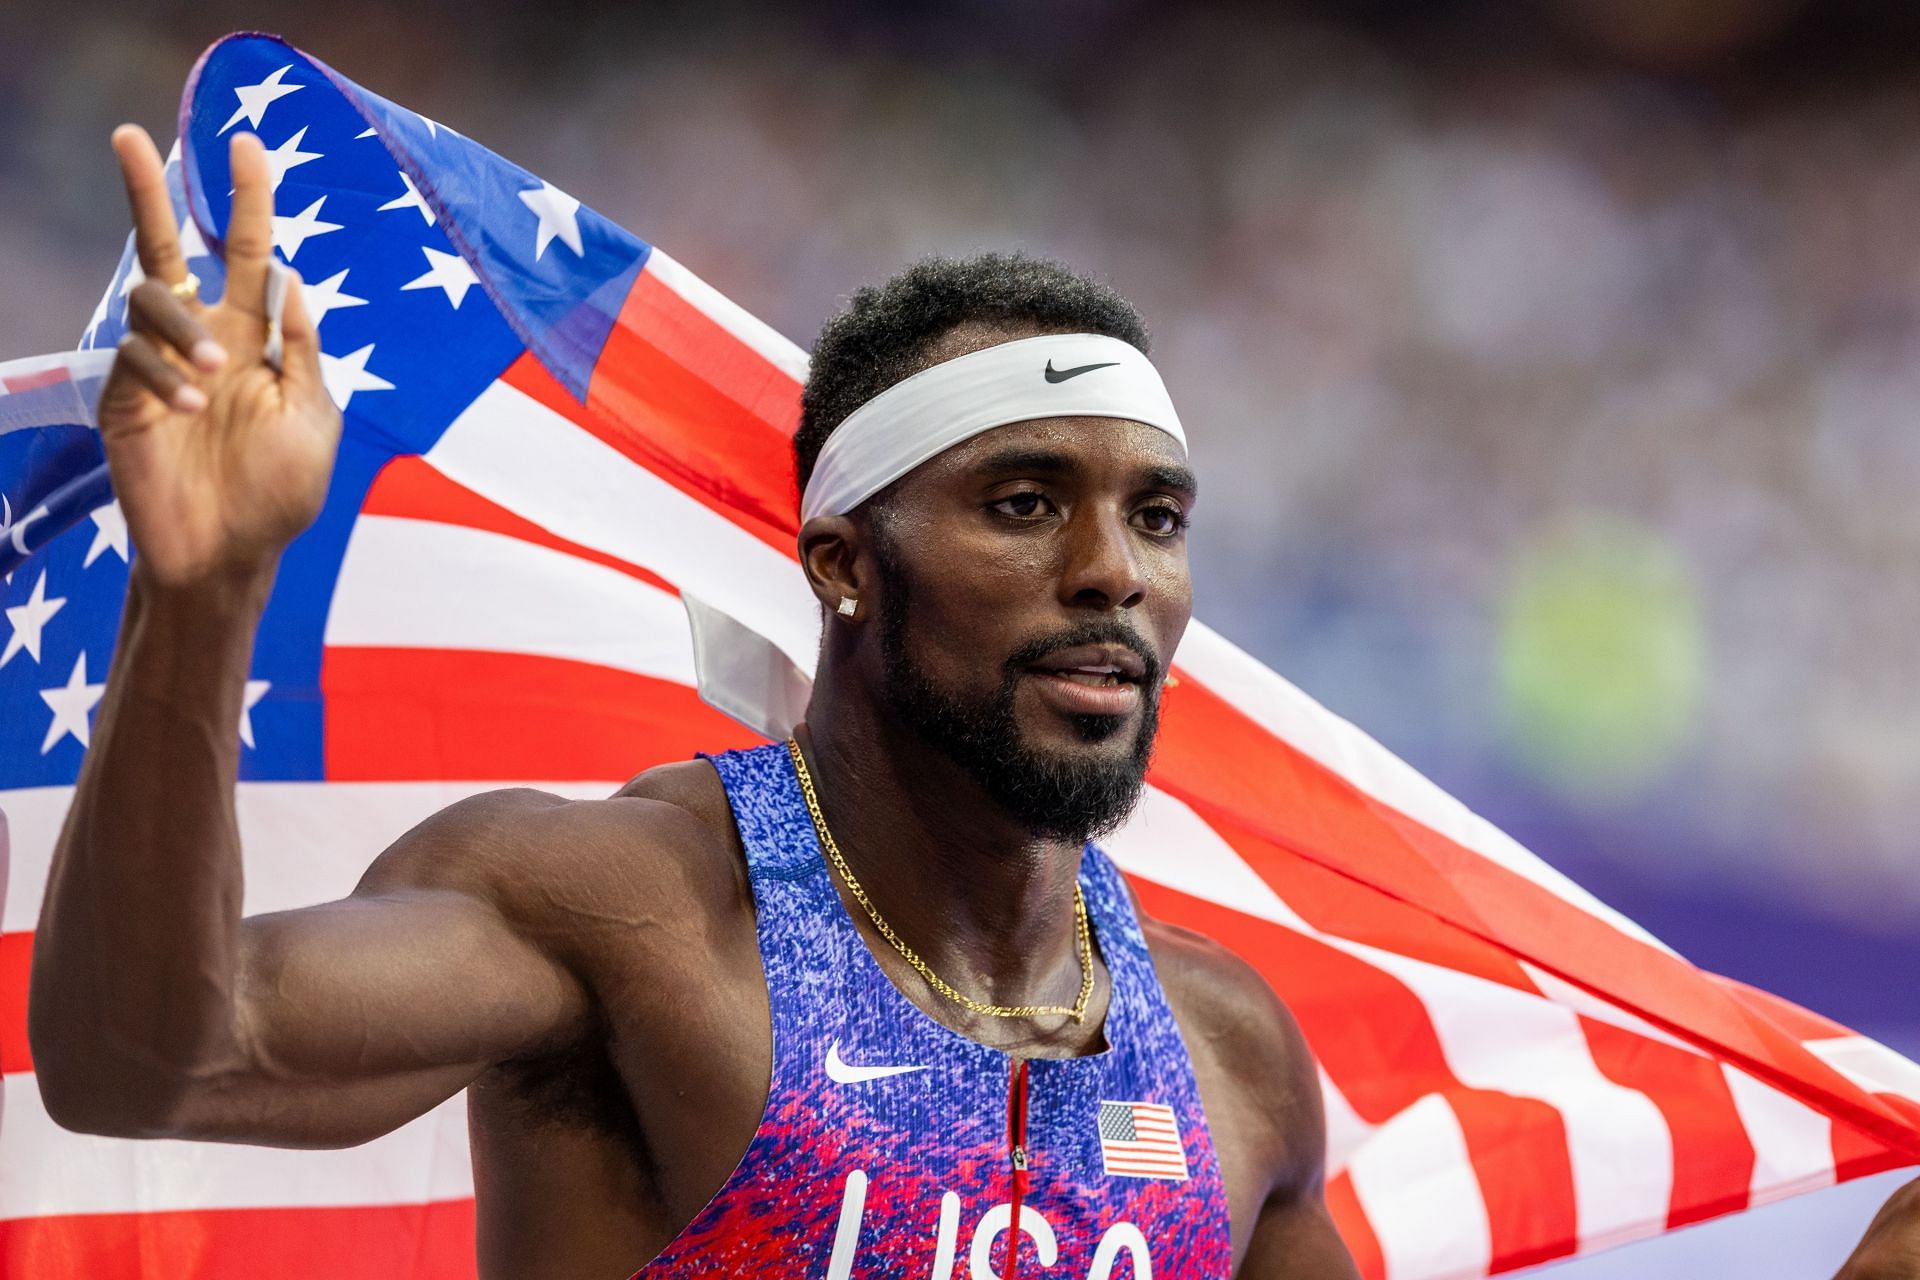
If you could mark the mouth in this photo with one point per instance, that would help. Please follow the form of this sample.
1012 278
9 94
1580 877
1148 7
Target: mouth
1096 680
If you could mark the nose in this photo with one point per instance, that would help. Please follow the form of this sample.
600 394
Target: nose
1103 569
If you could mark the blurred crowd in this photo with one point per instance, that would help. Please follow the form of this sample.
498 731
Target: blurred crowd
1552 383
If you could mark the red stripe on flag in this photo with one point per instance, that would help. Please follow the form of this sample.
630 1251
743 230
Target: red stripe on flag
676 392
1519 1151
642 443
1350 1220
412 488
386 1242
16 958
435 714
709 406
1244 778
1713 1157
1389 1059
1855 1155
34 381
1236 766
1338 904
1383 1062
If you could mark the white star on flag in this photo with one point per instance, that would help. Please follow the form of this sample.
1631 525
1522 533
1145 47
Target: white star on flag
71 704
367 132
256 98
192 243
323 296
99 316
559 215
256 690
448 271
289 233
409 199
111 533
28 619
347 374
288 155
135 274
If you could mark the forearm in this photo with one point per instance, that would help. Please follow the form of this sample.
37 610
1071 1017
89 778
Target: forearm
134 966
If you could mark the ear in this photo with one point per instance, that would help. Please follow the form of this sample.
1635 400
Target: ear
830 549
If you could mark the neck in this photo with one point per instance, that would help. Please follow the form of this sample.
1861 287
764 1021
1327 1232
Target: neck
987 905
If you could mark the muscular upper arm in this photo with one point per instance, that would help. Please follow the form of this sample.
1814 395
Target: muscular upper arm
1262 1093
357 1015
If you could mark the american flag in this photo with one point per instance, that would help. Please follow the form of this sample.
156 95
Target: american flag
1141 1140
557 441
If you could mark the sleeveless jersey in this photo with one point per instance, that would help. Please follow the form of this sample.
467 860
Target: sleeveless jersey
893 1148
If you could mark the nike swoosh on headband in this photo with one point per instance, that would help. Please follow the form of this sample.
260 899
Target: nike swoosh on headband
841 1072
1061 375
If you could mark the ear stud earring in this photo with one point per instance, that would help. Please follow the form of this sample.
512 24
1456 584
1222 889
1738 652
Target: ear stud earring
847 605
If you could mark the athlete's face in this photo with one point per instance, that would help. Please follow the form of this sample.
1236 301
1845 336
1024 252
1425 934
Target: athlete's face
1033 584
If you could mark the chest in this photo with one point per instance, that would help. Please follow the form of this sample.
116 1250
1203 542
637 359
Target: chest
870 1140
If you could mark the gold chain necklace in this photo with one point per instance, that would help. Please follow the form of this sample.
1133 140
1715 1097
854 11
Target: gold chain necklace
1077 1012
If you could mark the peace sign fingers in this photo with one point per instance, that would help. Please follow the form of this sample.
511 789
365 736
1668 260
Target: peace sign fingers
249 227
155 238
217 458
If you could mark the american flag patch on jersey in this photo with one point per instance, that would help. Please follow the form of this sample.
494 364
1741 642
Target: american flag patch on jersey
1141 1140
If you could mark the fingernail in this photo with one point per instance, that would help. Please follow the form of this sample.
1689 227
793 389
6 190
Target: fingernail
189 399
208 354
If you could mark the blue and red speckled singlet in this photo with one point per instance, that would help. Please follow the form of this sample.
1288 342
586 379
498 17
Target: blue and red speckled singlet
890 1148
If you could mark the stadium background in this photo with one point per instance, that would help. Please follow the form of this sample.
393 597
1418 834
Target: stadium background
1551 366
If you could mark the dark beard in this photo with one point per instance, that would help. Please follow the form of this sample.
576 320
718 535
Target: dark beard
1052 797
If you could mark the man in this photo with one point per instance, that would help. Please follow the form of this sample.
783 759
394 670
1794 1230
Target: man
865 1003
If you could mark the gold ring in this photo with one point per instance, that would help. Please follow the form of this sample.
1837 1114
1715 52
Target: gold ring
187 290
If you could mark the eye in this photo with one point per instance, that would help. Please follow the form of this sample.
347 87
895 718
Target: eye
1162 520
1025 505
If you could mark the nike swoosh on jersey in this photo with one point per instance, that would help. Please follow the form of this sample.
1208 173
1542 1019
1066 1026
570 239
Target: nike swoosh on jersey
841 1072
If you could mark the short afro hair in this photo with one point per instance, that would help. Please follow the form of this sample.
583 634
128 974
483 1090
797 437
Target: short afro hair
887 331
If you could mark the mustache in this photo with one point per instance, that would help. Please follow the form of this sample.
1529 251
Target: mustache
1106 631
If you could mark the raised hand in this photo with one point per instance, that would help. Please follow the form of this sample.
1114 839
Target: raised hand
1891 1248
218 459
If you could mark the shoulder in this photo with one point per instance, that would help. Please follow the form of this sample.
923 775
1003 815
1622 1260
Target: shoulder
1224 1003
667 835
1258 1077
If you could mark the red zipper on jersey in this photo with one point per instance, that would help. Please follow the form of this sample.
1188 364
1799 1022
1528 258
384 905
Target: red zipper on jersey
1017 1153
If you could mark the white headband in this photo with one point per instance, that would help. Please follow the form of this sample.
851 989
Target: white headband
1070 375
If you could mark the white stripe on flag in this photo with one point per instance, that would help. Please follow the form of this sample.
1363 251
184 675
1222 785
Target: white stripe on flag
46 1170
1869 1064
1290 715
1581 1000
1494 1036
303 842
419 584
1415 1183
1792 1143
1507 1041
67 400
1165 841
1346 1131
515 451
